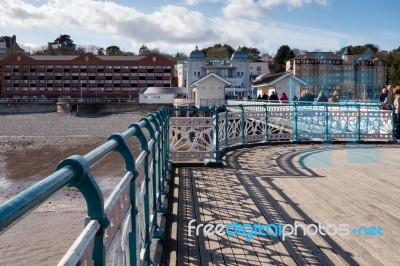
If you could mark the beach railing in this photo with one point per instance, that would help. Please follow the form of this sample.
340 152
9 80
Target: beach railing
124 226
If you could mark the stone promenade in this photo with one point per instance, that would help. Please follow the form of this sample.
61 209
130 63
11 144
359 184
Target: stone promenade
322 185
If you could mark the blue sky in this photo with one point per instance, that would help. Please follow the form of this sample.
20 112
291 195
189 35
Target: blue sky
180 25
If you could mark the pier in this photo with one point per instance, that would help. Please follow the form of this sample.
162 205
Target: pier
282 164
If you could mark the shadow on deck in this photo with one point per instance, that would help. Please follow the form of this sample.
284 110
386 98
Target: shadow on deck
290 184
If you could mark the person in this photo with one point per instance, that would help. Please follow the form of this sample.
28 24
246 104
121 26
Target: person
249 97
309 97
396 103
259 97
265 96
382 98
295 99
273 97
334 98
389 101
322 97
303 97
283 98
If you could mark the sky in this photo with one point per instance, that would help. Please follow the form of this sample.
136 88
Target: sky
180 25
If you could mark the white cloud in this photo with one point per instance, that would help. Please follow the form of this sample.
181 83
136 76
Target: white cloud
170 28
251 8
195 2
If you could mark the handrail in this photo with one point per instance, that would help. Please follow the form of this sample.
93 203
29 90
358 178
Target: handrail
75 171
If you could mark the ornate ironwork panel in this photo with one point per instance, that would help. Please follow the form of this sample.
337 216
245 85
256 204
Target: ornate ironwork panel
192 137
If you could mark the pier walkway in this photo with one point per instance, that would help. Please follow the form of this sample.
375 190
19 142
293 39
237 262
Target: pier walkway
325 185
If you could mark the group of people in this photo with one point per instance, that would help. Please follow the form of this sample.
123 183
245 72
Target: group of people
333 98
391 97
273 97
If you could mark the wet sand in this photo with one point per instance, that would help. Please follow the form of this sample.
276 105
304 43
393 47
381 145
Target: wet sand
31 146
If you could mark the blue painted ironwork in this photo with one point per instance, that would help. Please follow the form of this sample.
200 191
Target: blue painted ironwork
138 198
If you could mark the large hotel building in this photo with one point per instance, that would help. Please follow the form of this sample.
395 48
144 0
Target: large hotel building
354 76
84 75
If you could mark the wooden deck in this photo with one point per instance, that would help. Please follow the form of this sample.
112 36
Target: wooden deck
307 184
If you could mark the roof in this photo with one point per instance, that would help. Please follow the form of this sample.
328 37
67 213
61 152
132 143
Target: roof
347 51
164 90
54 57
121 57
196 83
239 54
196 54
318 55
274 78
267 78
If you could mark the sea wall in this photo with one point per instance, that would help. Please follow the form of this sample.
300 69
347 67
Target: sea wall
80 109
26 108
83 109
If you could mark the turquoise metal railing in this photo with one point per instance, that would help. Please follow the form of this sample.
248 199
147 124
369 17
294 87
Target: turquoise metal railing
205 136
127 222
125 225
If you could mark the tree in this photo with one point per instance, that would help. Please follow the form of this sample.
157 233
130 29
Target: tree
39 51
218 51
113 50
93 49
253 53
279 61
127 53
180 56
64 39
290 55
80 50
393 67
100 51
143 50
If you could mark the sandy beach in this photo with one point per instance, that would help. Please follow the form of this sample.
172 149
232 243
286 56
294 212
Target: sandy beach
31 146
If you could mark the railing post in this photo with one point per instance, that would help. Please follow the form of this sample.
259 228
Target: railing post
266 137
243 125
226 127
161 155
129 159
358 123
166 134
86 184
158 232
296 130
144 147
216 134
159 127
326 123
394 125
164 143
